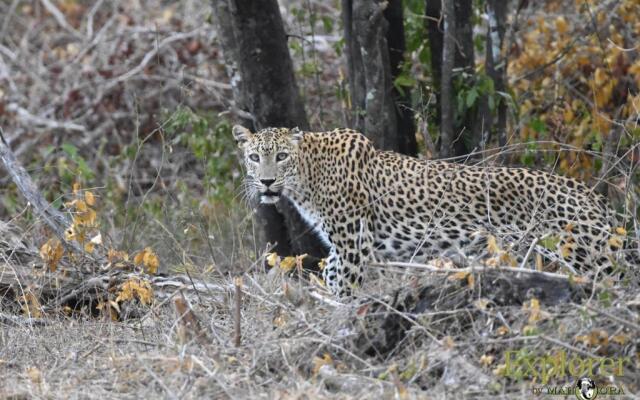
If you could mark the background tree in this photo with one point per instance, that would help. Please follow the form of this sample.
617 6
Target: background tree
266 94
375 44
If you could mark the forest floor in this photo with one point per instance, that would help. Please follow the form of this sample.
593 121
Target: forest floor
484 333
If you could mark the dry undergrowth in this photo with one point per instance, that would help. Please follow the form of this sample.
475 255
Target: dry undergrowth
298 342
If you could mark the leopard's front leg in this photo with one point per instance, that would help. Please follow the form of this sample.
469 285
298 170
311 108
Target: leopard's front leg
352 246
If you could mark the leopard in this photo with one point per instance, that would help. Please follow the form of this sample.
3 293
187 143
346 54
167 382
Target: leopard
368 205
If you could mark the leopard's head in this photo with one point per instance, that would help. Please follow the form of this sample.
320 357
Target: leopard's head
270 159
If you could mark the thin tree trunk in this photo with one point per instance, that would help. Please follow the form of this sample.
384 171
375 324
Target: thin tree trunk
433 13
406 128
497 61
254 43
370 30
469 131
355 71
370 78
446 76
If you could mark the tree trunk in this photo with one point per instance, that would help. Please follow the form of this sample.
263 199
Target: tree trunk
469 131
433 13
261 72
370 78
497 61
446 81
357 86
406 128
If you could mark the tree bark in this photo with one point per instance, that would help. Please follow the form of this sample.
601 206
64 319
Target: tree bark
406 128
261 72
497 61
433 13
446 81
380 117
469 131
375 43
355 69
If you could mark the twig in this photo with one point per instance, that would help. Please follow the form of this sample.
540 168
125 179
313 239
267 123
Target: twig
237 312
533 245
469 269
26 116
568 346
20 321
624 322
59 17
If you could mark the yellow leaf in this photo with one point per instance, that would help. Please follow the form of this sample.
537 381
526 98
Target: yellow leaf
51 252
503 330
89 198
492 245
76 187
621 231
486 360
561 25
272 259
150 261
471 280
115 255
481 304
565 250
600 76
135 289
288 263
87 218
500 370
579 279
534 310
89 247
597 337
139 258
299 259
615 242
620 339
34 375
315 280
569 227
319 362
458 276
31 305
80 205
70 234
448 342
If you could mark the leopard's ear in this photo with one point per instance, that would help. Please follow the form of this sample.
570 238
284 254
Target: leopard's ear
296 135
241 134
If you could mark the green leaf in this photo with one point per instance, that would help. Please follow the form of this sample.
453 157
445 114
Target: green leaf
550 243
71 150
472 95
404 80
327 24
538 126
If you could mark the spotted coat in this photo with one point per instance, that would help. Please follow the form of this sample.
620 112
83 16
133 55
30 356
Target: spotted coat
367 204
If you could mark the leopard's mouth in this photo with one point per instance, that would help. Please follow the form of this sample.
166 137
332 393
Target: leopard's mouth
269 197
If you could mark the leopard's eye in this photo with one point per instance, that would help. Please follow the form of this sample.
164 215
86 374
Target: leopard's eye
281 156
254 157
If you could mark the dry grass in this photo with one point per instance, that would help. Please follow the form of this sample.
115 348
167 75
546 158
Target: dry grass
298 342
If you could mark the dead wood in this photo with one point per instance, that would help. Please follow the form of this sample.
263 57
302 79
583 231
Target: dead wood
56 220
383 324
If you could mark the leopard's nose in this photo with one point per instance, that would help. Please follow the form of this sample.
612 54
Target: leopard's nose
267 182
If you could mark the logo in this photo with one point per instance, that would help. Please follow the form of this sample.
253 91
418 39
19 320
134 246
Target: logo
586 389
